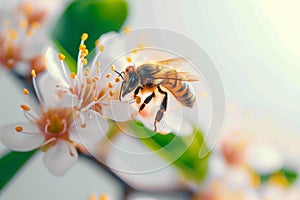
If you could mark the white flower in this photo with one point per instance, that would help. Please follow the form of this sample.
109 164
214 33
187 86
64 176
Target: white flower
52 130
23 33
88 89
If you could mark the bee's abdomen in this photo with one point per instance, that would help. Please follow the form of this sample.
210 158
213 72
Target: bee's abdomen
182 91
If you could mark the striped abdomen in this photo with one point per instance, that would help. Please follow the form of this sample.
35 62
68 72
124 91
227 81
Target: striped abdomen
182 91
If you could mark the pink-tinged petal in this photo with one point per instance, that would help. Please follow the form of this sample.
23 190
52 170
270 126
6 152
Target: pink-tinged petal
47 88
118 111
60 158
19 141
94 129
69 100
55 68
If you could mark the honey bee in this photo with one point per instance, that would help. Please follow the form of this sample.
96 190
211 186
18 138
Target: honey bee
151 76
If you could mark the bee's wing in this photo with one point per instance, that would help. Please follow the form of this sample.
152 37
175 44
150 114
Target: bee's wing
175 75
173 61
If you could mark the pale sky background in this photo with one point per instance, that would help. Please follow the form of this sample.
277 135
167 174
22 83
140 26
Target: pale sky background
256 48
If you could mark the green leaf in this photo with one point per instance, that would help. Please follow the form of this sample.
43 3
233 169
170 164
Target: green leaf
11 163
94 17
182 152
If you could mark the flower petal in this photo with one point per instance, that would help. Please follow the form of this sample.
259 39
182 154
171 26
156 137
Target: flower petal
95 128
55 68
47 88
118 111
60 158
69 100
18 141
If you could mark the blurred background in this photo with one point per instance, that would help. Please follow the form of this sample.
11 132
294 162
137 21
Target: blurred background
256 50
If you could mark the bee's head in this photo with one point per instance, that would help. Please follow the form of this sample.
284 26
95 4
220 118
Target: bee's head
131 80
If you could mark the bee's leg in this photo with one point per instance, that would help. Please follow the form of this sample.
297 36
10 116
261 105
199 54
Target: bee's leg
163 107
147 100
136 92
121 90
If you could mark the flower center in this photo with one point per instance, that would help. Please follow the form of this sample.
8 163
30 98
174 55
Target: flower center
55 125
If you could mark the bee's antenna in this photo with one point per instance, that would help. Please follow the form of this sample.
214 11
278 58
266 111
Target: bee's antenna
114 70
120 74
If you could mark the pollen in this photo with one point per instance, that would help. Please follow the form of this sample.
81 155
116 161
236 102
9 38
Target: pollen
112 68
25 107
98 65
13 34
29 32
73 75
83 125
117 79
35 24
108 75
84 62
82 46
86 72
33 74
104 197
23 24
126 29
25 91
85 51
84 36
19 128
128 59
110 85
95 99
61 56
101 48
96 43
111 93
134 51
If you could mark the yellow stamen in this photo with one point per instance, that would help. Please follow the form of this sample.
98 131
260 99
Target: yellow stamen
98 64
95 98
73 75
96 43
92 197
104 197
128 59
35 24
29 32
82 46
24 107
25 91
23 24
19 128
134 51
84 62
108 75
33 74
85 51
27 8
112 68
111 93
83 125
13 34
84 36
86 72
110 85
117 79
61 56
101 48
279 179
202 94
126 29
